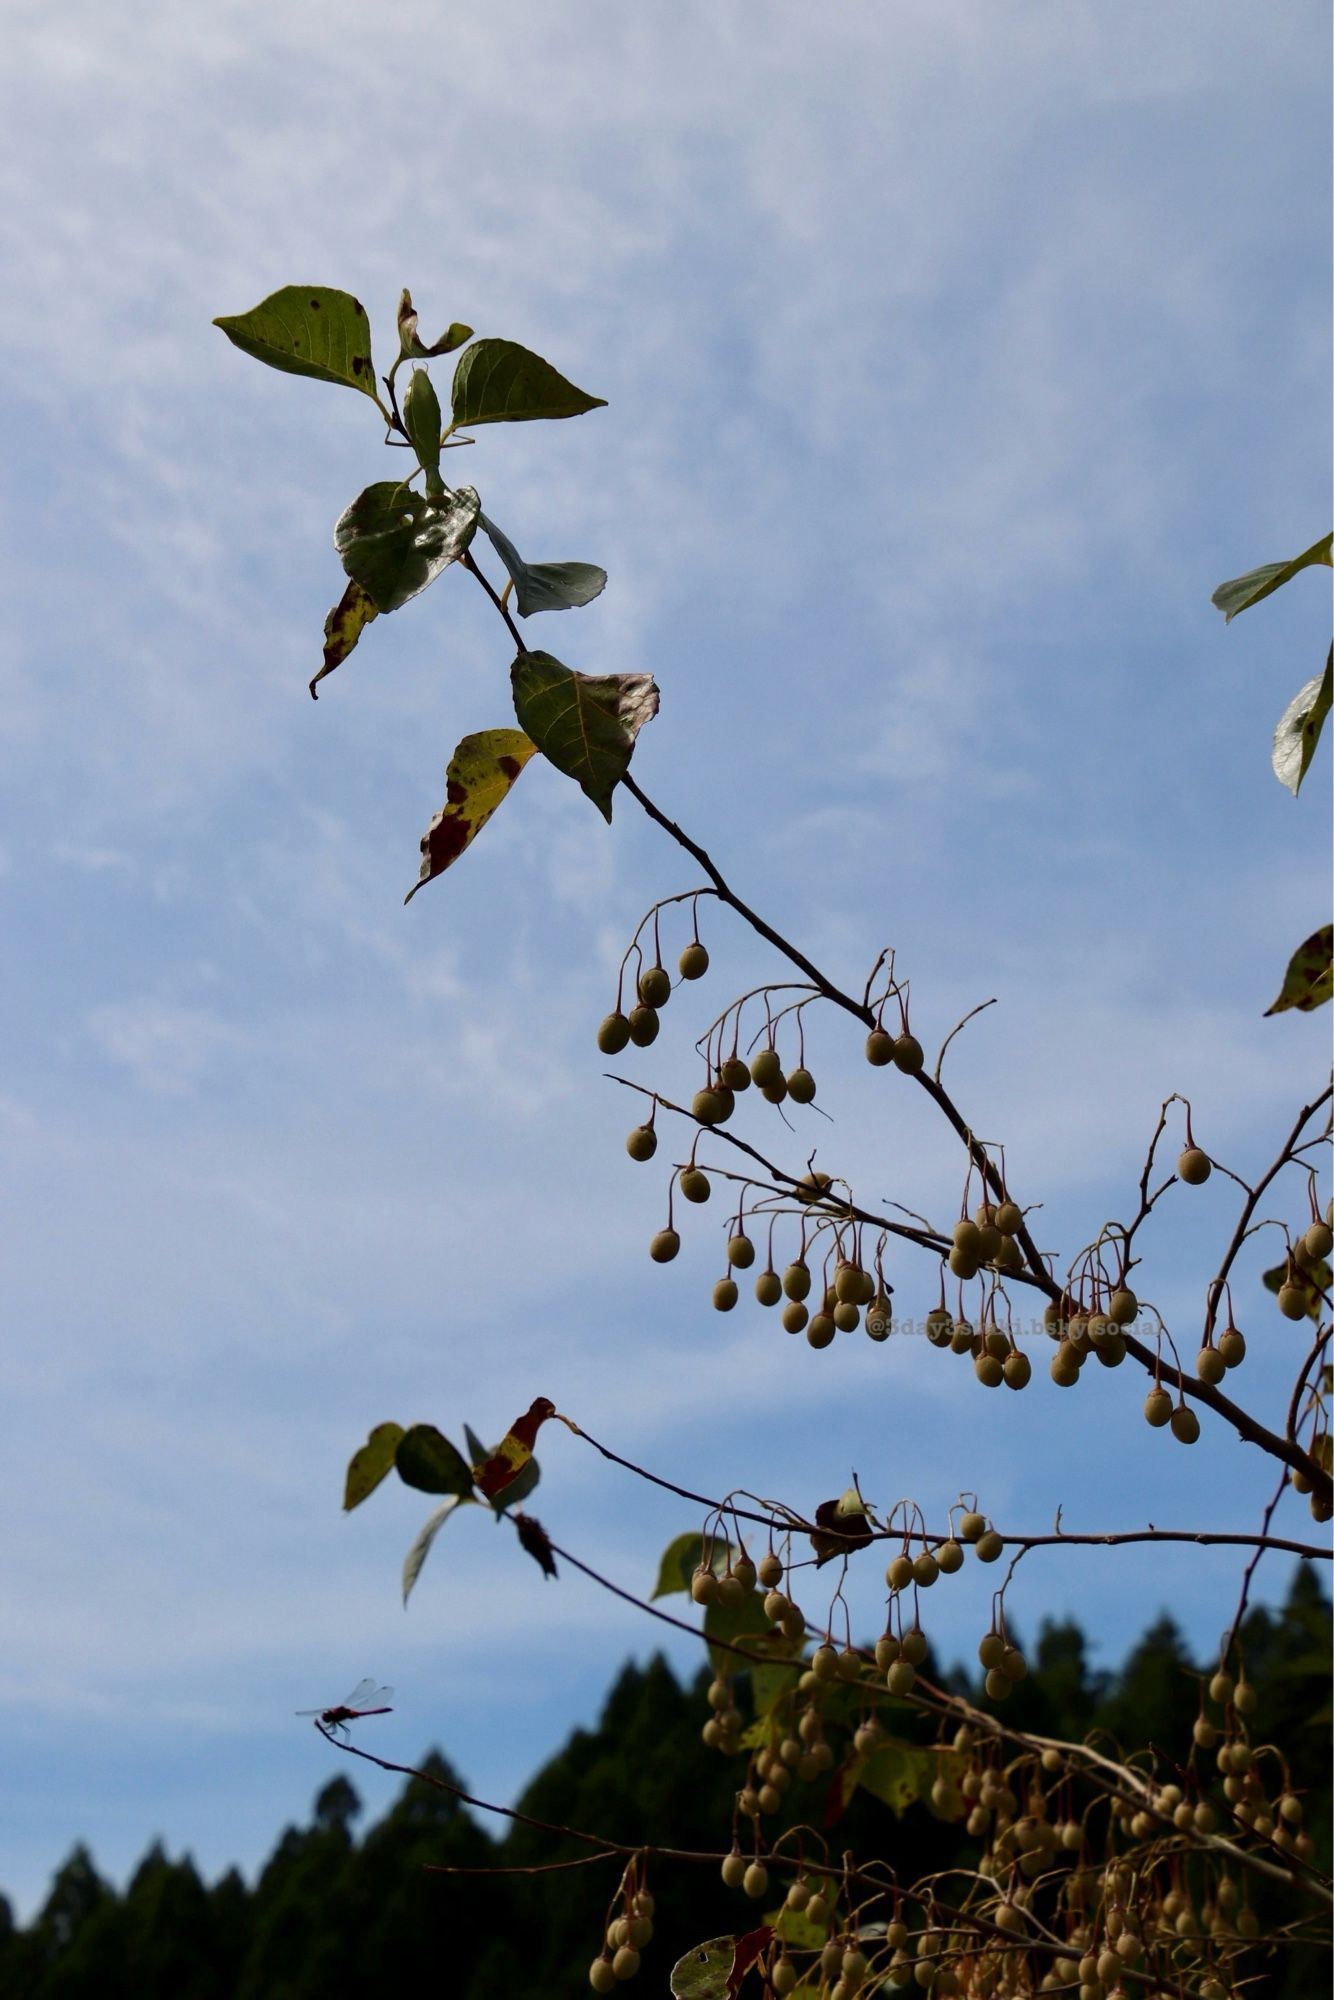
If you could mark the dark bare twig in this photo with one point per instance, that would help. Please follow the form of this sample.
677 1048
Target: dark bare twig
470 565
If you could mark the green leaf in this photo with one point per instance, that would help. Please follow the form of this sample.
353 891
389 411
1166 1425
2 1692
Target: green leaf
342 629
372 1463
795 1927
308 330
479 777
393 542
478 1453
899 1773
1309 979
744 1623
410 347
545 586
682 1557
768 1685
584 724
430 1528
430 1462
499 382
422 421
1244 591
1299 728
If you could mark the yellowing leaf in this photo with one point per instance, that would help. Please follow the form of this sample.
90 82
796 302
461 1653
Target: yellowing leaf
342 629
368 1466
479 776
898 1773
1309 979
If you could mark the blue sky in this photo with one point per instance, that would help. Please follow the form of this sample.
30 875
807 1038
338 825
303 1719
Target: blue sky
952 354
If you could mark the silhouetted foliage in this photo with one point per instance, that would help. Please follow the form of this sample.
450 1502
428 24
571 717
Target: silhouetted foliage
334 1918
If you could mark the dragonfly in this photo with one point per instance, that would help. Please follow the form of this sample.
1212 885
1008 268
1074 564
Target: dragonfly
366 1698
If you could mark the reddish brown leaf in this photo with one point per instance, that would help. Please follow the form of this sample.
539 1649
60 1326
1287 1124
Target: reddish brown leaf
514 1450
845 1532
748 1949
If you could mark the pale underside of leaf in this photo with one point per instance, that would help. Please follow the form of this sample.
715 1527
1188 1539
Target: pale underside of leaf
430 1528
1299 728
1241 592
558 586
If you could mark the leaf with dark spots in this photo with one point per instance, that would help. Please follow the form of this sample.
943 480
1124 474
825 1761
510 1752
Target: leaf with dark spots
715 1969
479 777
533 1539
900 1773
584 724
515 1449
372 1463
1309 980
394 542
545 586
342 629
499 382
411 346
845 1529
308 330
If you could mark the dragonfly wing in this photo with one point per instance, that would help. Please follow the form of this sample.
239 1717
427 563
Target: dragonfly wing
361 1694
376 1699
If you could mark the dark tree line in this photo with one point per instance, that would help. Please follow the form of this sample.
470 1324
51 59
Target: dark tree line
335 1915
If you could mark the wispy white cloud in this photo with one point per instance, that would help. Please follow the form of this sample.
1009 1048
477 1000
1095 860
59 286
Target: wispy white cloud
165 1048
939 371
